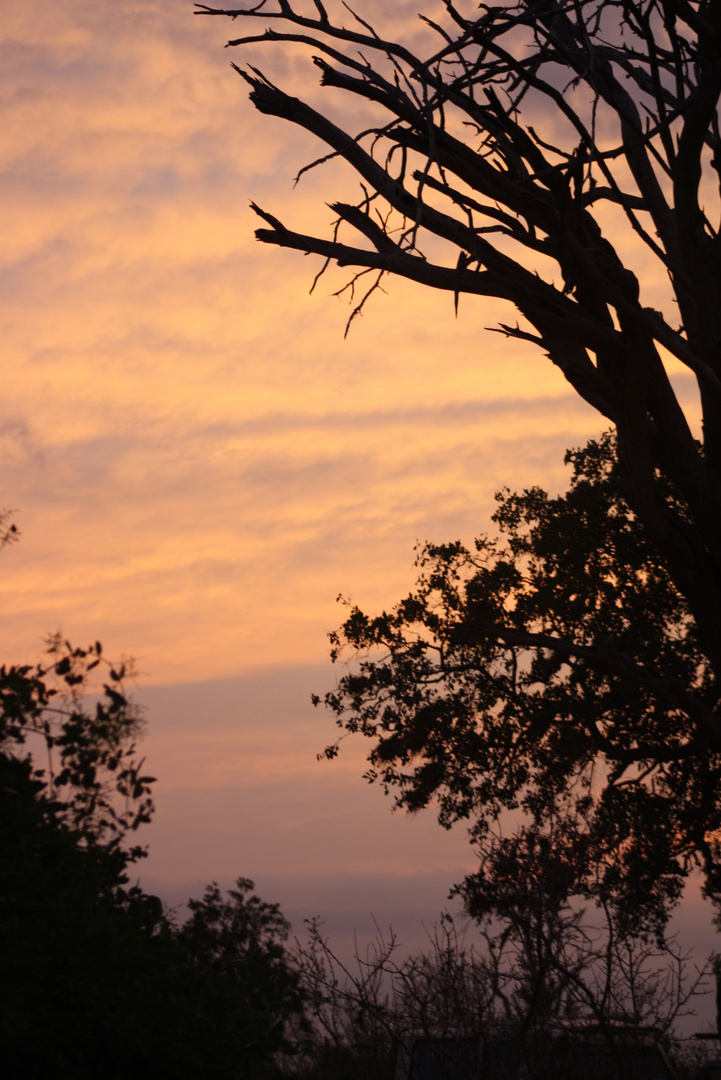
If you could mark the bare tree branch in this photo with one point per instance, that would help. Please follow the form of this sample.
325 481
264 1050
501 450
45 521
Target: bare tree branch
633 91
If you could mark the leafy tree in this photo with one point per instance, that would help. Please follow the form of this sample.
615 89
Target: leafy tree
96 979
90 775
253 1005
75 938
554 674
571 675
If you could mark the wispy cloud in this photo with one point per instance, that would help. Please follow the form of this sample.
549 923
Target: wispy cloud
201 463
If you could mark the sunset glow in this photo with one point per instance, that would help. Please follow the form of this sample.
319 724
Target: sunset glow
199 463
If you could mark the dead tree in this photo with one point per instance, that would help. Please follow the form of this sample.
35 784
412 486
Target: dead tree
528 131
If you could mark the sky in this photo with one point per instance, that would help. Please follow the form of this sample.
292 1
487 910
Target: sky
200 463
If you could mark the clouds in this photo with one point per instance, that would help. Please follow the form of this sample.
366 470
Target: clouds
244 530
200 461
243 792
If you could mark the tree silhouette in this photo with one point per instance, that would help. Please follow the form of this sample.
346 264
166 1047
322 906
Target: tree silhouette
97 979
545 994
84 952
554 673
499 163
547 153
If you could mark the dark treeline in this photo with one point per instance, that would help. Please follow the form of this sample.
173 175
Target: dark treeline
99 979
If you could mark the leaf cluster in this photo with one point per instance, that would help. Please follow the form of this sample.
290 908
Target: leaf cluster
253 1004
97 978
549 681
82 755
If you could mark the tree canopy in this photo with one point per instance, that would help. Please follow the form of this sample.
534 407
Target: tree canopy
97 978
556 674
562 157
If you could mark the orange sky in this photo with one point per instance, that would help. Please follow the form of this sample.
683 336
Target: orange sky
199 461
188 438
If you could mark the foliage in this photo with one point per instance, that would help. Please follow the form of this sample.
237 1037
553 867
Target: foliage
554 674
8 529
92 777
77 942
569 677
97 979
252 1000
